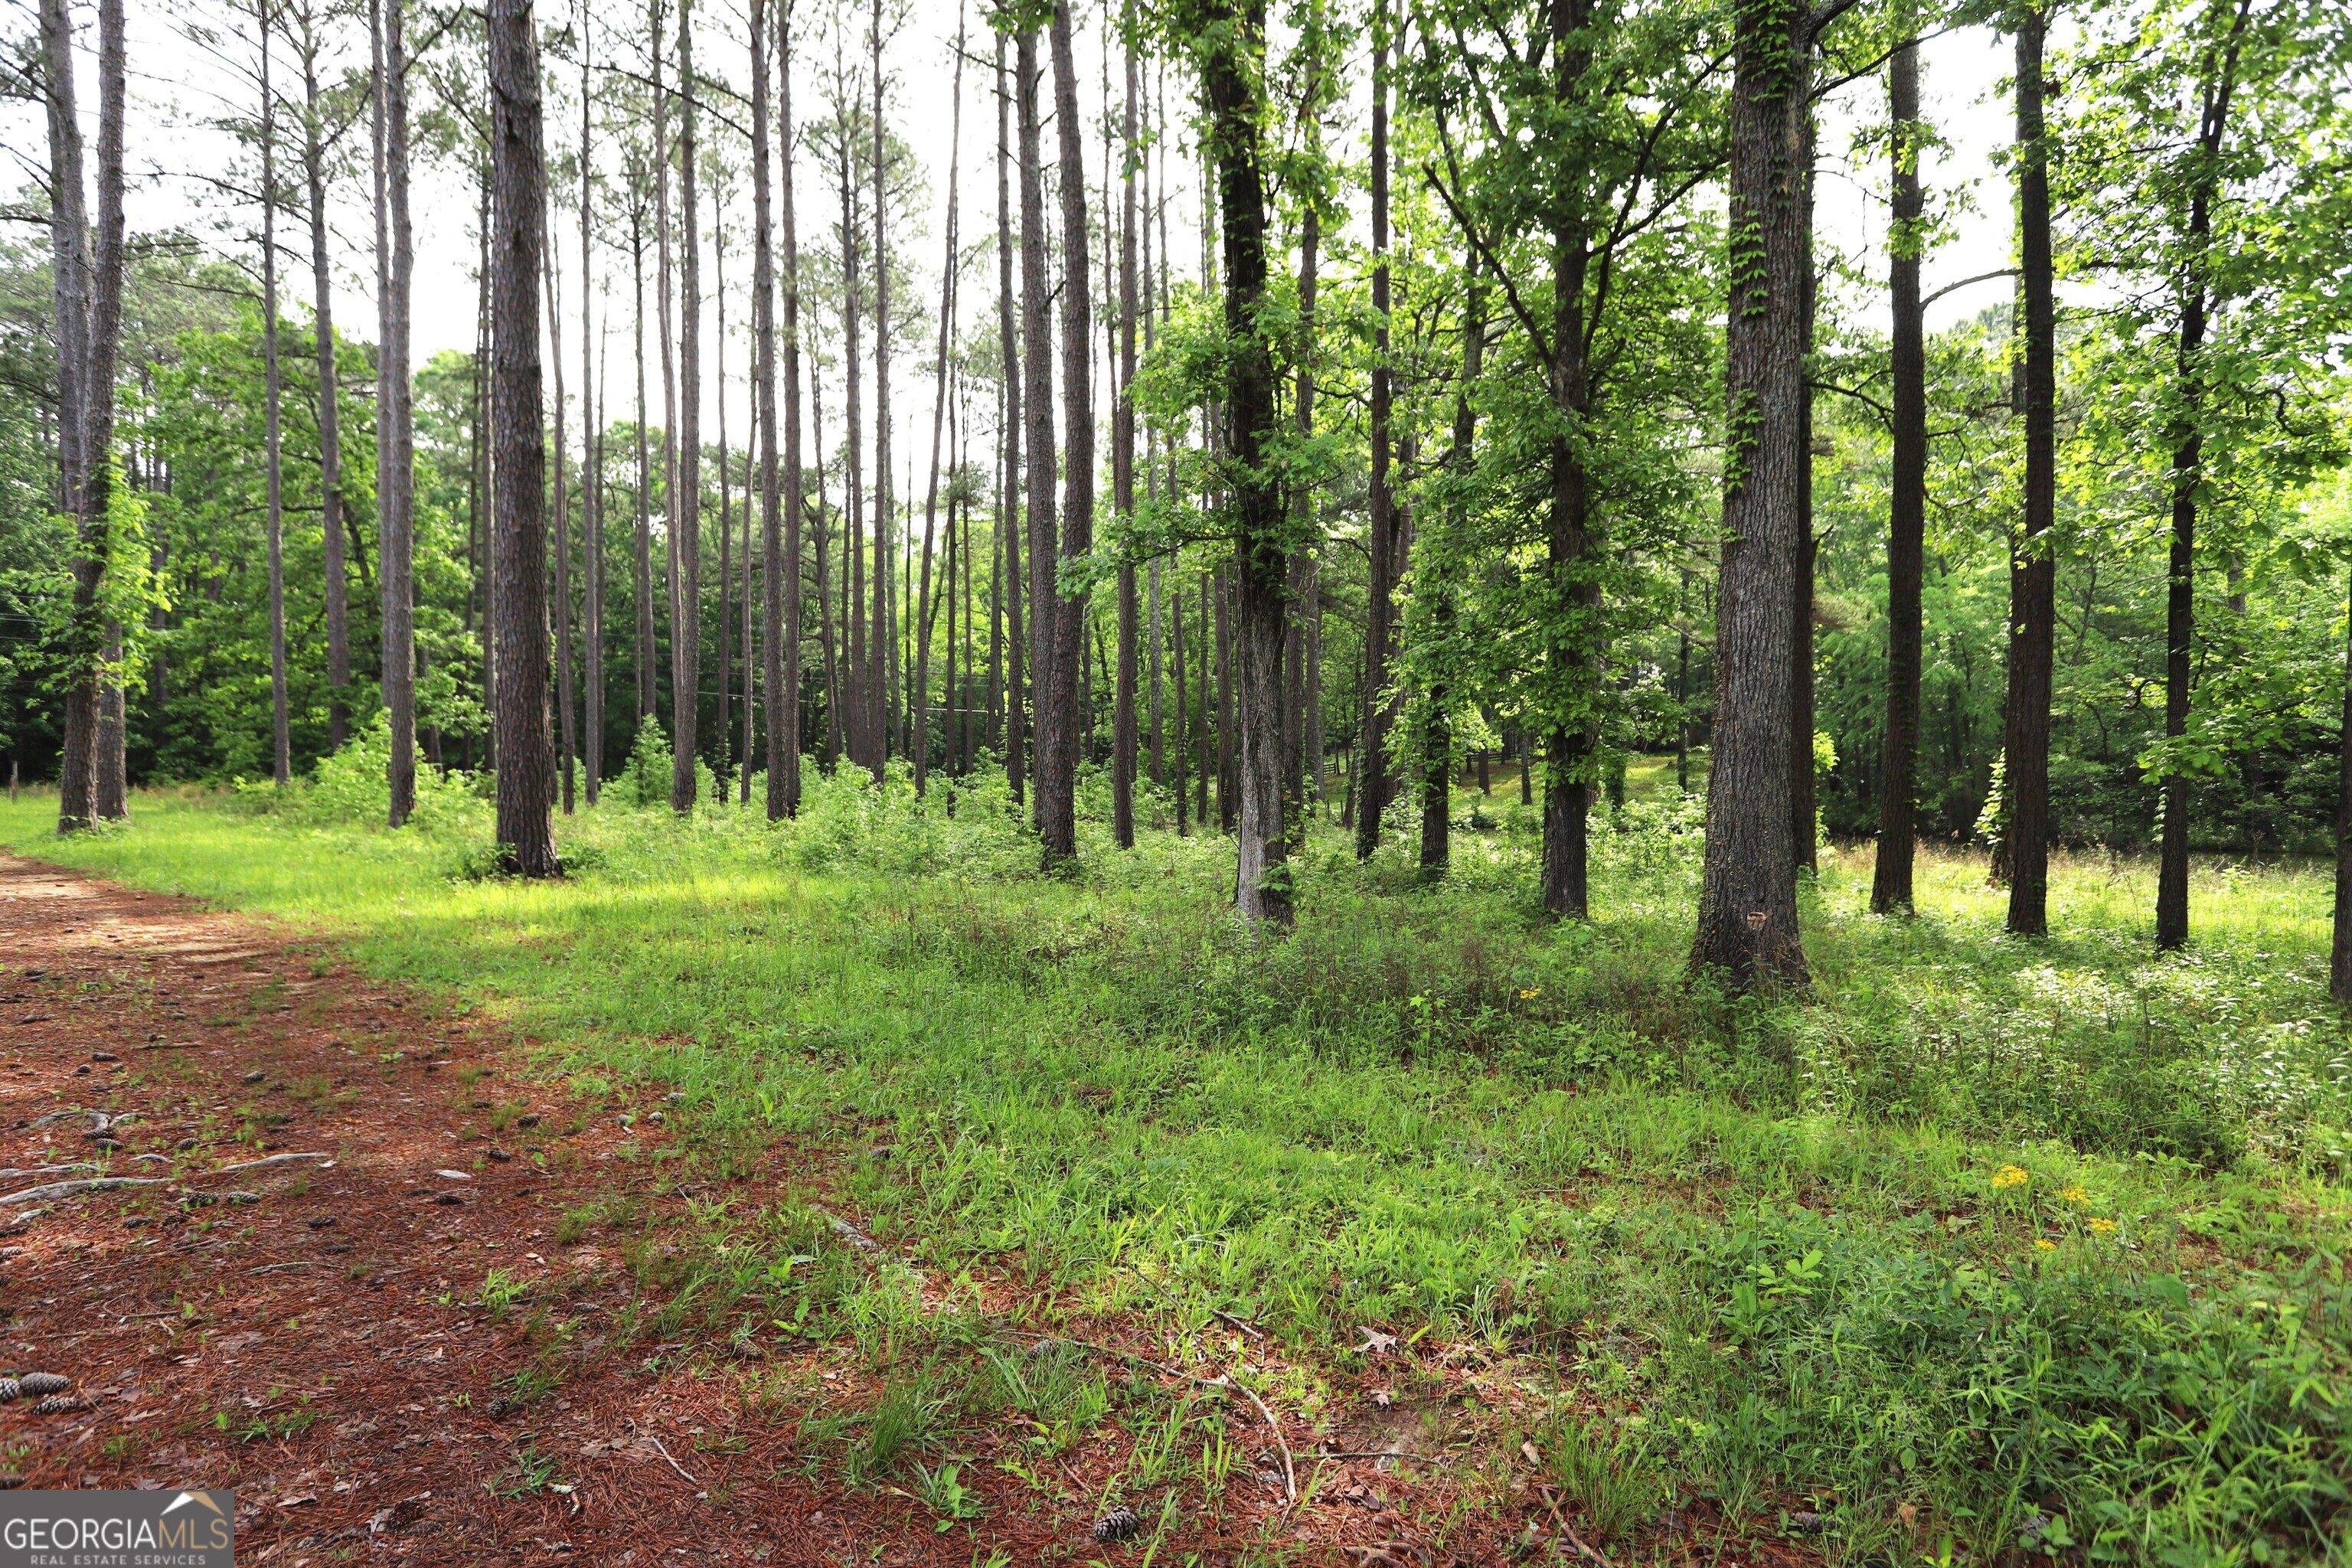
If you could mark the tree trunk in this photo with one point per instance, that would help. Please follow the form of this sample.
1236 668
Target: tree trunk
2188 478
526 750
726 490
1747 904
592 475
877 650
1803 810
1176 607
780 494
1123 735
919 743
567 740
331 442
1008 590
2339 961
1200 717
686 501
1906 504
395 436
646 696
273 443
1037 426
1061 679
70 269
2032 571
1437 738
1371 745
664 304
1576 609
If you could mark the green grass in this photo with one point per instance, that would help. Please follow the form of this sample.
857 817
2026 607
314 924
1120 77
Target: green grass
1761 1252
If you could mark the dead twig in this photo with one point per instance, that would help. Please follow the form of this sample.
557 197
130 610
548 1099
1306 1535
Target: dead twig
256 1164
673 1464
44 1193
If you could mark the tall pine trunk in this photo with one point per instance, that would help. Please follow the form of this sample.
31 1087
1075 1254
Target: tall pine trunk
1371 783
396 434
1747 902
567 739
1037 428
1906 504
1123 735
330 440
919 730
877 651
2033 570
273 442
1058 756
1006 592
591 473
686 502
526 749
643 581
1232 70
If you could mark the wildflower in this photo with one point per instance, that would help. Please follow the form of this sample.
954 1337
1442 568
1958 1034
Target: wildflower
2009 1176
1531 994
2075 1194
2103 1226
2043 1244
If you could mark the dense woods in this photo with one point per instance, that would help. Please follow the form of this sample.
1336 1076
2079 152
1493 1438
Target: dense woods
1610 735
1508 418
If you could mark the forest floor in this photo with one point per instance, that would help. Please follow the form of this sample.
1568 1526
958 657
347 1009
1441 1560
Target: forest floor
846 1191
315 1291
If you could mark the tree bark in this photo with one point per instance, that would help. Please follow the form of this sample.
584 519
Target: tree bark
1747 904
567 738
1906 506
686 502
918 730
1371 784
591 473
395 428
1037 416
2032 571
1059 689
2339 958
2188 478
273 445
1576 610
331 442
1008 590
526 749
647 698
1804 811
1123 728
780 604
1437 738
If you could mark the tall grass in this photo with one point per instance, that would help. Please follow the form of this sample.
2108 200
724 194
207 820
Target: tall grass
2029 1246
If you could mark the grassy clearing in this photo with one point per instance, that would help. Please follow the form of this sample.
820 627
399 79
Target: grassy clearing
1988 1247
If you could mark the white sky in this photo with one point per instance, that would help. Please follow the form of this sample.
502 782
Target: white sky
178 155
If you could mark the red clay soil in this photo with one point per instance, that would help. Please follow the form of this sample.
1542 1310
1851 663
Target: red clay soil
310 1331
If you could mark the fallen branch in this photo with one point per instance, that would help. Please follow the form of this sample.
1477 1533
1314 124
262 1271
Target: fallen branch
73 1189
256 1164
673 1464
45 1171
1289 1473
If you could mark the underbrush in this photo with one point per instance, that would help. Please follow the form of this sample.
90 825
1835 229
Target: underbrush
1988 1247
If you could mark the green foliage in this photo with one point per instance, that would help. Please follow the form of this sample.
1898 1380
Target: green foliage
1984 1233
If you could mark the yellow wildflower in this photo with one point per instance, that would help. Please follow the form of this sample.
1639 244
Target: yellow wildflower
2075 1194
1531 994
2009 1176
2043 1244
2103 1226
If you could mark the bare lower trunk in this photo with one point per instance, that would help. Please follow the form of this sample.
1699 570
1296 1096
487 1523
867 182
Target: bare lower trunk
1060 691
1008 590
918 725
592 474
567 739
1748 905
1906 506
1370 782
2033 573
331 442
1123 735
273 443
686 502
1037 428
526 748
70 269
396 430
